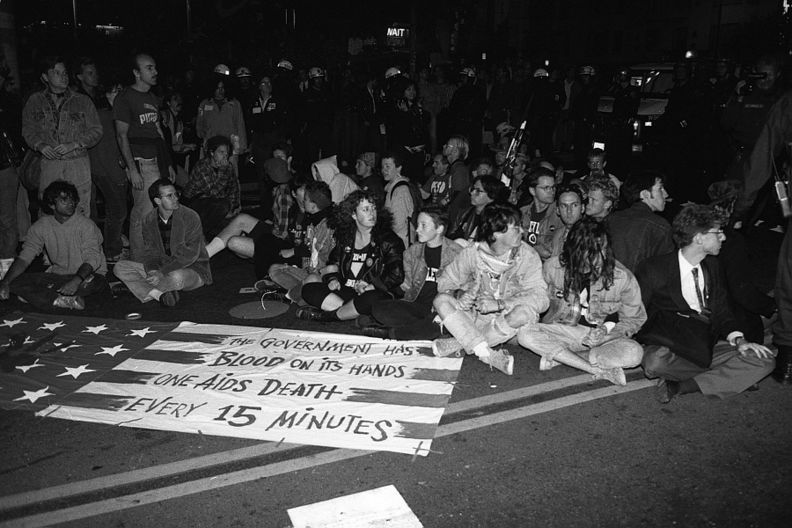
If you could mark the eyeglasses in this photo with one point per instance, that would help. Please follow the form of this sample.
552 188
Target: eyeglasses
546 188
717 232
172 196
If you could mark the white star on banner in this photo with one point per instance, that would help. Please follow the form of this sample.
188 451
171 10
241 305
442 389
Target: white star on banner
52 326
28 341
32 396
25 368
141 332
95 329
11 323
76 371
111 351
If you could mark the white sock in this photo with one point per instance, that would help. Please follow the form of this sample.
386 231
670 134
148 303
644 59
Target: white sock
482 350
155 294
215 246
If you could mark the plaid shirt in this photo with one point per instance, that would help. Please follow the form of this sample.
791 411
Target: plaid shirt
283 211
209 182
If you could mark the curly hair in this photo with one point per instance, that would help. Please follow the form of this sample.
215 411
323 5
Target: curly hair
603 183
493 187
588 239
496 218
215 141
343 223
692 220
56 189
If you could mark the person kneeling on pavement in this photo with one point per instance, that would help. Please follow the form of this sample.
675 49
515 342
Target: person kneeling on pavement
174 252
490 290
595 306
365 265
73 244
424 261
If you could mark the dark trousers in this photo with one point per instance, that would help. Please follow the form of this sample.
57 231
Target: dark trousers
407 320
267 253
41 289
782 329
114 191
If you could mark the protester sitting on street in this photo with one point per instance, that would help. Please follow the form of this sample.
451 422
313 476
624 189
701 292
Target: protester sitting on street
368 178
490 290
569 204
310 253
72 243
437 188
412 317
398 197
692 341
174 254
327 170
264 242
601 197
596 162
639 232
540 218
364 267
213 188
484 191
595 306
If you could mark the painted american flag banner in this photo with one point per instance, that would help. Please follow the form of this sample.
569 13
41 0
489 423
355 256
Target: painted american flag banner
333 390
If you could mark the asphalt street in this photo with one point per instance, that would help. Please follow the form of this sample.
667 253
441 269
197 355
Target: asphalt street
535 449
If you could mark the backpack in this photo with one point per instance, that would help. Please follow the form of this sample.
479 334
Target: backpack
417 199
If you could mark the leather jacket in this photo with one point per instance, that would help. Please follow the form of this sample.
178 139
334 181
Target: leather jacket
383 268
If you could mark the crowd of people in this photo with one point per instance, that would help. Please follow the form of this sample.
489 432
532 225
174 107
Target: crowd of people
389 206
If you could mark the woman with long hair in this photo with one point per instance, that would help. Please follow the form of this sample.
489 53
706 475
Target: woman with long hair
364 267
595 306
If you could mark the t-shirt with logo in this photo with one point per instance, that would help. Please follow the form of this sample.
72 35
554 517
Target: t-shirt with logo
429 290
140 111
359 257
533 226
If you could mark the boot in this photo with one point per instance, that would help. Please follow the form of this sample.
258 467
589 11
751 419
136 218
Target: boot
783 368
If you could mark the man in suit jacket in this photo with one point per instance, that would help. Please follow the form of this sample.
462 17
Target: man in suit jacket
689 282
174 252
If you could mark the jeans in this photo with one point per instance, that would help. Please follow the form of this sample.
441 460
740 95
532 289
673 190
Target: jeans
149 170
115 200
133 274
41 289
550 339
9 183
76 171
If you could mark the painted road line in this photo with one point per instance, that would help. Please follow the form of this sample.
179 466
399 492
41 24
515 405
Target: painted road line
62 491
279 468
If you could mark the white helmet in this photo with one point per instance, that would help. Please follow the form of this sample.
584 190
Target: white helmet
541 72
316 71
222 69
286 65
392 72
243 71
468 72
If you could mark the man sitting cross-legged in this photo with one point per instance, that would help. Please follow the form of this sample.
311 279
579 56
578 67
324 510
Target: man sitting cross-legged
174 254
73 244
490 290
686 299
595 306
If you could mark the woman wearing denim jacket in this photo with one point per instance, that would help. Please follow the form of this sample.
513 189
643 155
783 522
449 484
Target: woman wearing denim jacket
595 306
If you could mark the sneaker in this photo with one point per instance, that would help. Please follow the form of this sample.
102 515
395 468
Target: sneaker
545 363
70 302
309 313
614 375
381 332
447 346
276 295
501 360
169 298
265 285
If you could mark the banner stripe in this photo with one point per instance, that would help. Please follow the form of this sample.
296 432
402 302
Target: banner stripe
430 374
128 376
210 339
408 399
416 430
172 356
88 400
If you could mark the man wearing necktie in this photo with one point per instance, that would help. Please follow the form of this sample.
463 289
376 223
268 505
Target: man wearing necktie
688 284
